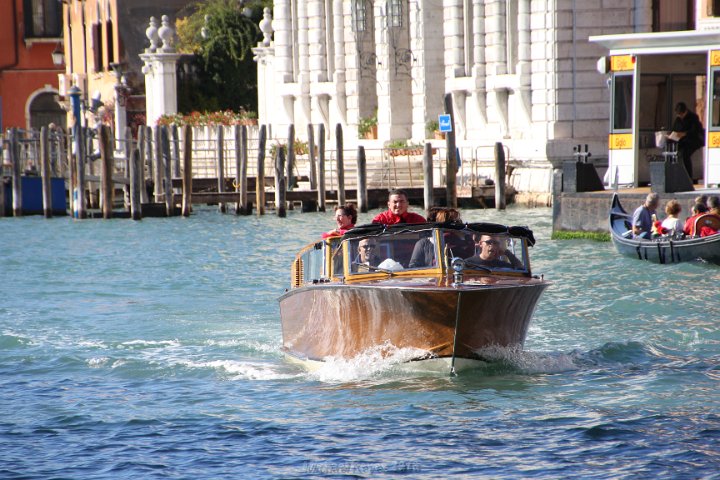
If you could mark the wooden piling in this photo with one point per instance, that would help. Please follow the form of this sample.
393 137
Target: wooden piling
45 172
175 136
149 161
321 167
241 156
289 177
499 176
362 193
80 199
72 174
220 155
158 165
137 184
14 138
2 190
187 171
127 135
428 176
340 164
90 166
451 164
142 148
167 171
280 203
107 188
260 178
311 156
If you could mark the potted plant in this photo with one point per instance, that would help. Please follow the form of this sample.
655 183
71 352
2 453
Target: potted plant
432 128
397 147
367 127
274 148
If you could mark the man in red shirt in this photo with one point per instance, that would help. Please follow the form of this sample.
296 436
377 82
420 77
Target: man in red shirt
397 211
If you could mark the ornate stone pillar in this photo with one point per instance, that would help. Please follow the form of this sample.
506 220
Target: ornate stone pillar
160 71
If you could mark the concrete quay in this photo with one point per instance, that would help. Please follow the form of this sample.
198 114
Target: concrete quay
589 211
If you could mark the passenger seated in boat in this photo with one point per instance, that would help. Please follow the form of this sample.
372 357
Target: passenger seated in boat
672 223
492 253
345 218
397 211
713 204
423 254
707 224
697 210
366 257
642 217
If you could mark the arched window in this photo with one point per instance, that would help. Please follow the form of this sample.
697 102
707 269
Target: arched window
45 110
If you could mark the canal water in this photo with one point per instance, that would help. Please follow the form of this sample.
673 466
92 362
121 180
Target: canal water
152 350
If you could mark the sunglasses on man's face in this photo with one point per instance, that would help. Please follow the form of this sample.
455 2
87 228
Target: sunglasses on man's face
367 247
490 242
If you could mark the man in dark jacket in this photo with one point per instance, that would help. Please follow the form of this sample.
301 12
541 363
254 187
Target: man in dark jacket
689 131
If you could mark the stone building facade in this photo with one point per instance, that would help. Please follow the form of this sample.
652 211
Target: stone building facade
520 72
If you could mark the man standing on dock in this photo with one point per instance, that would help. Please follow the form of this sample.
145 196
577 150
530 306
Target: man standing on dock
397 211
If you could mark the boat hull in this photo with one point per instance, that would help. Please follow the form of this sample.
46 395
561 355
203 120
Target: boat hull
343 321
660 250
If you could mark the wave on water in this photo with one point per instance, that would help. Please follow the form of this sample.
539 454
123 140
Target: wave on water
373 362
245 370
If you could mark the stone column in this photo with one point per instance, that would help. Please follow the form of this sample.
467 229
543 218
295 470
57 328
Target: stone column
524 66
160 72
454 38
303 52
339 73
283 40
479 72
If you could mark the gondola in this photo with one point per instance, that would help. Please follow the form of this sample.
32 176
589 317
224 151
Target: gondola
662 249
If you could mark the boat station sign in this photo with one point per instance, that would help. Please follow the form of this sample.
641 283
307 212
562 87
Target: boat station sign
445 123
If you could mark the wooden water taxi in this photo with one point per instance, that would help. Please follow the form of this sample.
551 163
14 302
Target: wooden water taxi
445 290
663 249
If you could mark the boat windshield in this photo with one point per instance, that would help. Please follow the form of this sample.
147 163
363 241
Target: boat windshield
485 251
399 251
418 249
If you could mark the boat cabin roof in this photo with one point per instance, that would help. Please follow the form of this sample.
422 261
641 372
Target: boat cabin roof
478 227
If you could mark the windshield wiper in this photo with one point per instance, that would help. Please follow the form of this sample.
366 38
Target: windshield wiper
372 269
478 266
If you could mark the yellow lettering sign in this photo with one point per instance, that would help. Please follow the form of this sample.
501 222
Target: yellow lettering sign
620 63
714 58
620 141
714 140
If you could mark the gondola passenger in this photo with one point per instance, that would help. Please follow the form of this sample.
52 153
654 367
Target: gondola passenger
642 221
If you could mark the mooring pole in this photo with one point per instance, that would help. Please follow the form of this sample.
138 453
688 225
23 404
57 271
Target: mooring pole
16 172
428 177
311 156
321 167
106 160
187 171
280 183
451 165
45 172
340 164
260 177
362 193
499 176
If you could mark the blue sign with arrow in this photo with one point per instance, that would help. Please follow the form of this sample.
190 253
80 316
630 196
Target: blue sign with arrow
445 124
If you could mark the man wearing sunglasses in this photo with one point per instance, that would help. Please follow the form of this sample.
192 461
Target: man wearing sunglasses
492 253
